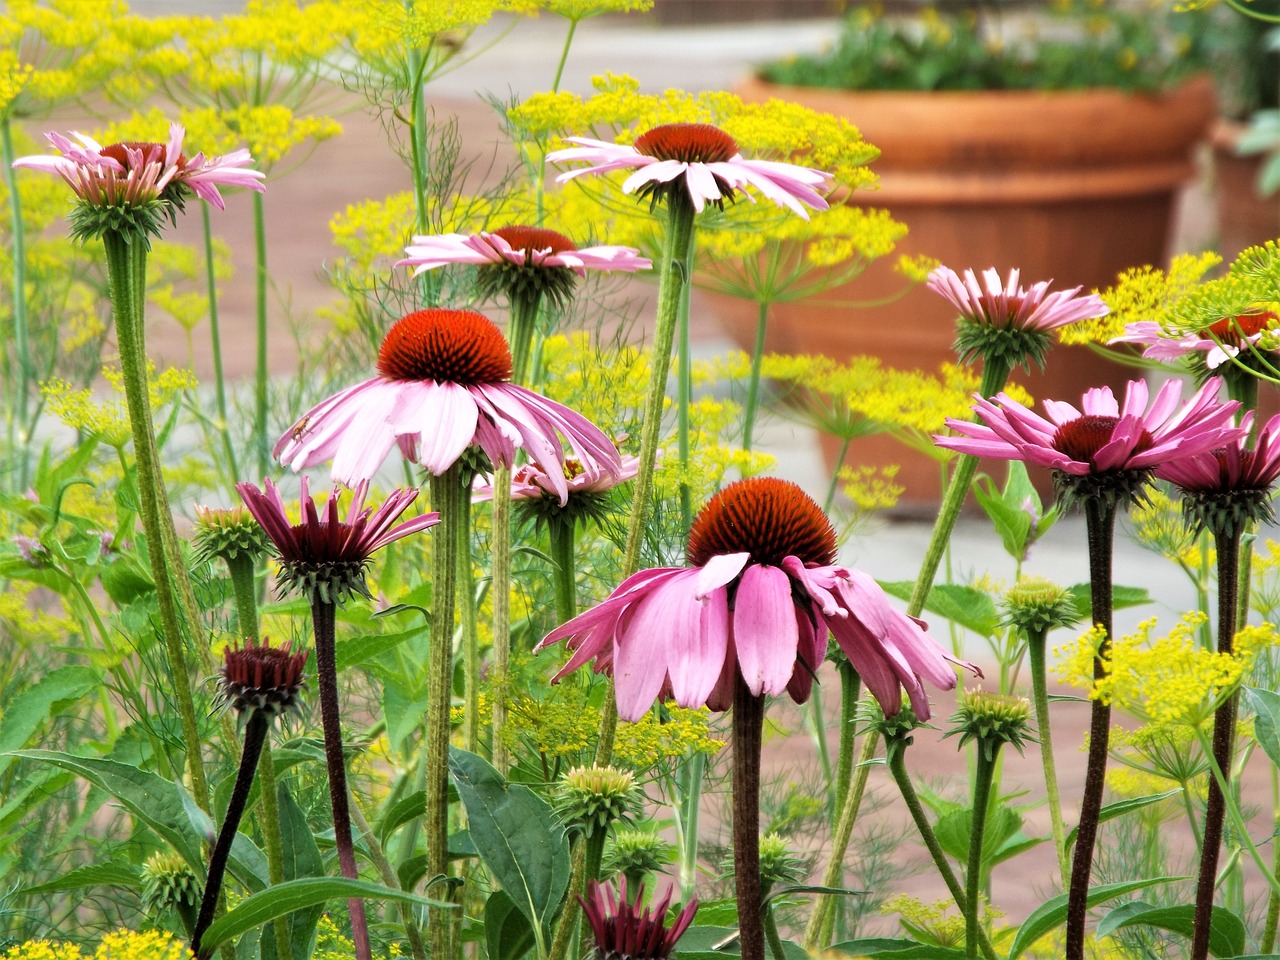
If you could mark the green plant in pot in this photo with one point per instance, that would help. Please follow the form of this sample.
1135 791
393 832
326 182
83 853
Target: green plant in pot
1053 140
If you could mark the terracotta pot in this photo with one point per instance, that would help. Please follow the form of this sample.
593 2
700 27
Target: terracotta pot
1074 187
1245 218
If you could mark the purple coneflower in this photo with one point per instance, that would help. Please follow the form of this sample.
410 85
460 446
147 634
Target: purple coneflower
133 173
1103 440
700 159
324 557
623 930
442 387
1220 342
670 631
531 482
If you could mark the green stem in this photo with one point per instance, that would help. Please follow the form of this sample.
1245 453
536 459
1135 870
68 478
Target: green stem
850 690
692 773
1227 546
1036 641
753 384
501 572
673 278
272 838
822 921
126 267
323 618
1100 520
560 534
21 335
1272 922
470 637
260 443
450 497
244 589
835 475
984 769
684 397
896 757
771 936
994 377
520 332
215 345
568 921
564 54
255 736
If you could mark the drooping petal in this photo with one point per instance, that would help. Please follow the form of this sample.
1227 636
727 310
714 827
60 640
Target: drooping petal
764 629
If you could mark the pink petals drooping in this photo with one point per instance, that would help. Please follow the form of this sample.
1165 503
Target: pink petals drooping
672 631
485 247
1008 305
704 159
625 930
131 174
1103 435
443 388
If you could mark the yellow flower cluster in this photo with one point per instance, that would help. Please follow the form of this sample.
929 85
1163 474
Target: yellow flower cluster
1171 680
109 420
120 945
648 741
936 919
332 945
871 488
1158 525
1143 293
384 29
576 10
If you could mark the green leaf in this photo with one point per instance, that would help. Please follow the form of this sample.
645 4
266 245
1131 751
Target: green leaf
91 875
699 943
1121 807
897 949
245 862
357 650
1001 837
301 859
152 799
1265 705
964 606
1012 523
1053 912
48 697
1121 598
507 932
294 895
516 835
407 808
1226 930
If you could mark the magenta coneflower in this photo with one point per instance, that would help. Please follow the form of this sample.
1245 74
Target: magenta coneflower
325 554
698 159
324 557
1220 342
442 387
531 482
671 631
623 930
1237 477
133 173
1008 318
1103 439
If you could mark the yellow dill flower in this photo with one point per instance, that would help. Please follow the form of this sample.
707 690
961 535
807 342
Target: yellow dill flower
577 10
1158 525
43 950
148 945
871 488
643 744
935 920
109 420
1143 293
1265 595
1129 782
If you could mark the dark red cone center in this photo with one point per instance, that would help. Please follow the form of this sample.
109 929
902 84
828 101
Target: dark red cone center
534 239
151 152
688 143
448 346
1082 438
770 519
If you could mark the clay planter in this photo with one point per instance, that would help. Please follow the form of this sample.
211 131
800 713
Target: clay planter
1074 186
1245 218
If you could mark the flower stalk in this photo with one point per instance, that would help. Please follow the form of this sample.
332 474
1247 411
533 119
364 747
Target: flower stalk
126 273
215 343
323 618
1100 520
748 733
262 449
21 334
1036 643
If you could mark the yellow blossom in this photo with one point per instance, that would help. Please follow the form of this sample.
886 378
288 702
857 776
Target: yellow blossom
871 488
682 732
108 420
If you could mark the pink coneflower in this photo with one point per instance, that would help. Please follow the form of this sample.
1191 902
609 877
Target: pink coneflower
259 676
324 553
531 482
520 246
992 311
672 631
623 930
1103 439
1230 486
442 387
131 173
699 159
1220 342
